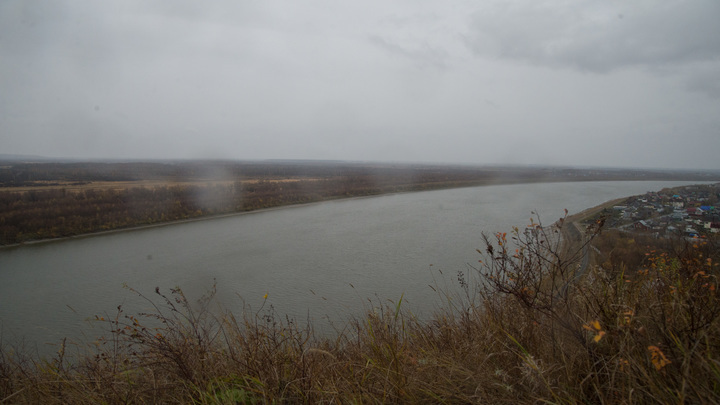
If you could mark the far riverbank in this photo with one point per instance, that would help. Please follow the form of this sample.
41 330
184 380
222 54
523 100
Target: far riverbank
282 204
52 201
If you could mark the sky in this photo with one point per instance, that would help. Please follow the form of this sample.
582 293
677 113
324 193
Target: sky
531 82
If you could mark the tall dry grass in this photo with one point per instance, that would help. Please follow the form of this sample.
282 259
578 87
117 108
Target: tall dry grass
525 326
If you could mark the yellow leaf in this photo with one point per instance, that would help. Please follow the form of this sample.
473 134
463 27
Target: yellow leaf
658 357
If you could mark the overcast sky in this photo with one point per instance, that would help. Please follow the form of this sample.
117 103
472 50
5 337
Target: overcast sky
576 82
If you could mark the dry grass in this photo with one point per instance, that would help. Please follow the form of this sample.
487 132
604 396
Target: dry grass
526 332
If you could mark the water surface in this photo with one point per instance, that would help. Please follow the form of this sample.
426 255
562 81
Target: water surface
322 261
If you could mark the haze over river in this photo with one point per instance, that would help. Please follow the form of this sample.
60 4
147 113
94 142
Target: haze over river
319 261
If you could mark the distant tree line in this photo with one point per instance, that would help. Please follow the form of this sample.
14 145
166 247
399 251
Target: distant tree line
13 174
54 213
57 212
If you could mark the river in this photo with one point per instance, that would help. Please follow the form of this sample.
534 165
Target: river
325 261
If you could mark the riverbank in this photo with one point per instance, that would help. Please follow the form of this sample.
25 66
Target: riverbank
241 213
174 222
55 214
574 226
55 200
433 187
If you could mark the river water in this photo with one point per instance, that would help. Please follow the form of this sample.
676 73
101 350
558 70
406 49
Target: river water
325 261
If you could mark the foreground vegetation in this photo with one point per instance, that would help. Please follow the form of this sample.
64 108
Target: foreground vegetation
537 320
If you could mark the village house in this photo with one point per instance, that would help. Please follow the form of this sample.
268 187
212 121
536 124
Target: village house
642 225
691 232
712 226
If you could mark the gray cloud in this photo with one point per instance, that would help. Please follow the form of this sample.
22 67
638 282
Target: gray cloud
424 55
705 79
599 36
